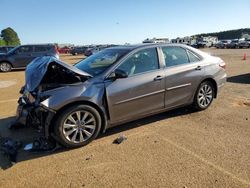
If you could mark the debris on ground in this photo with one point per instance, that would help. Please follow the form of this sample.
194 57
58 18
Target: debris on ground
10 148
120 139
88 158
41 145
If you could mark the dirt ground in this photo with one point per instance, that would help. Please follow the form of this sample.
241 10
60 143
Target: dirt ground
180 148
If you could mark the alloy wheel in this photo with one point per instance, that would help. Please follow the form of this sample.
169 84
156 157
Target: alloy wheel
79 126
5 67
205 95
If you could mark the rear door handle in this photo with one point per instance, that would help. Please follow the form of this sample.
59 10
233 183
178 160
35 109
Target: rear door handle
158 78
198 68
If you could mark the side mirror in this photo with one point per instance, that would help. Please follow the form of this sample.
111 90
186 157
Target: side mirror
118 73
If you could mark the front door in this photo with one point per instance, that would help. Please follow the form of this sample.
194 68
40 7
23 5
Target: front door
142 92
23 56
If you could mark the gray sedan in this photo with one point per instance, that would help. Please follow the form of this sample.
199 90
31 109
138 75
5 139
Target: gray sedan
73 104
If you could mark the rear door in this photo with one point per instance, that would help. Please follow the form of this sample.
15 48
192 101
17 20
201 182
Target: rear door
184 71
22 56
142 92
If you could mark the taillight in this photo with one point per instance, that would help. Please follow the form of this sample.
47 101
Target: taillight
222 65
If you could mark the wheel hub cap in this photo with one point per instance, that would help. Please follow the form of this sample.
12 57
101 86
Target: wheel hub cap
205 95
79 126
4 67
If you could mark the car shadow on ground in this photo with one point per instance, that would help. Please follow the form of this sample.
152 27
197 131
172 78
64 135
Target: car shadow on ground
240 79
27 135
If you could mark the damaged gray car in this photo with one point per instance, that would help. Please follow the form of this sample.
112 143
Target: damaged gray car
73 104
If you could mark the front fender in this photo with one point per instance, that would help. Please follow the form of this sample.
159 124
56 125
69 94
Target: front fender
63 96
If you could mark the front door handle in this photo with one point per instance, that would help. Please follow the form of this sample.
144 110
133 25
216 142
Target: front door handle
198 68
158 78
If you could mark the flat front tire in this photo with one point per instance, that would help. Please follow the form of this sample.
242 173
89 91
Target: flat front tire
204 96
77 126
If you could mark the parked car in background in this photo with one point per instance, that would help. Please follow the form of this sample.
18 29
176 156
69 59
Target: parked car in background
64 50
90 51
233 44
222 44
93 50
21 56
78 50
5 49
244 44
73 104
199 45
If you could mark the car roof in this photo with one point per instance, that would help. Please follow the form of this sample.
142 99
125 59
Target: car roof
143 45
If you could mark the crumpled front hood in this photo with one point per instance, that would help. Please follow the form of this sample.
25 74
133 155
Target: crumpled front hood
36 70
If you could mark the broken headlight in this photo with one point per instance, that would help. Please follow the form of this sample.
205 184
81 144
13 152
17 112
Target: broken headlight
44 100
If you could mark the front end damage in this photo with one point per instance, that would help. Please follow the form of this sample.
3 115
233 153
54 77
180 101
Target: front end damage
33 115
44 77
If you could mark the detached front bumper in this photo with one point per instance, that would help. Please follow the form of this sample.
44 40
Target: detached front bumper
34 115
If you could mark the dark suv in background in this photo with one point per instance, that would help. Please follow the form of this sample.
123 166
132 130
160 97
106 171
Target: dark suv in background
22 55
233 44
78 50
244 44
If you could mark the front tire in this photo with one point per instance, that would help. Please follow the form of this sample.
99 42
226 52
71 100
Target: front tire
204 96
5 67
77 126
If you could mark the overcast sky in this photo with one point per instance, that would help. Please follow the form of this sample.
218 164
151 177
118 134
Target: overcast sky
119 21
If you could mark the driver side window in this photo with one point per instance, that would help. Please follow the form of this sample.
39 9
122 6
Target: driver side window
140 62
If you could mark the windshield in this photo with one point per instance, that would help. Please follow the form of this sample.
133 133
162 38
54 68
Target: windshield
99 62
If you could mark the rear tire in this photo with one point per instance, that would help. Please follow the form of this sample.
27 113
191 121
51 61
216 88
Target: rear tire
5 67
204 96
77 126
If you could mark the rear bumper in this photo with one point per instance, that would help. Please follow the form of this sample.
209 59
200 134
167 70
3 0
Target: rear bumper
221 82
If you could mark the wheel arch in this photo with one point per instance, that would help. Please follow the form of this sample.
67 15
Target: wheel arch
95 106
6 61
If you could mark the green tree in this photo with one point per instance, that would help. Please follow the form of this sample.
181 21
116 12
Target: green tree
2 42
231 34
10 37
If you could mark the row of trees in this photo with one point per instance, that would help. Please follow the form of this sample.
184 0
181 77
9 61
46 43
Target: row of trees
231 34
9 37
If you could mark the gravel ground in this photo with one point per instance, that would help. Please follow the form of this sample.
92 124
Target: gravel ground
180 148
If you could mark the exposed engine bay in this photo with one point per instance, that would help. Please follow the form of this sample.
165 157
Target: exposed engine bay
58 76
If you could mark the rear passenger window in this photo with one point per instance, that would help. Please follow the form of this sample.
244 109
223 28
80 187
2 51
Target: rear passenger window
41 48
192 57
175 56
